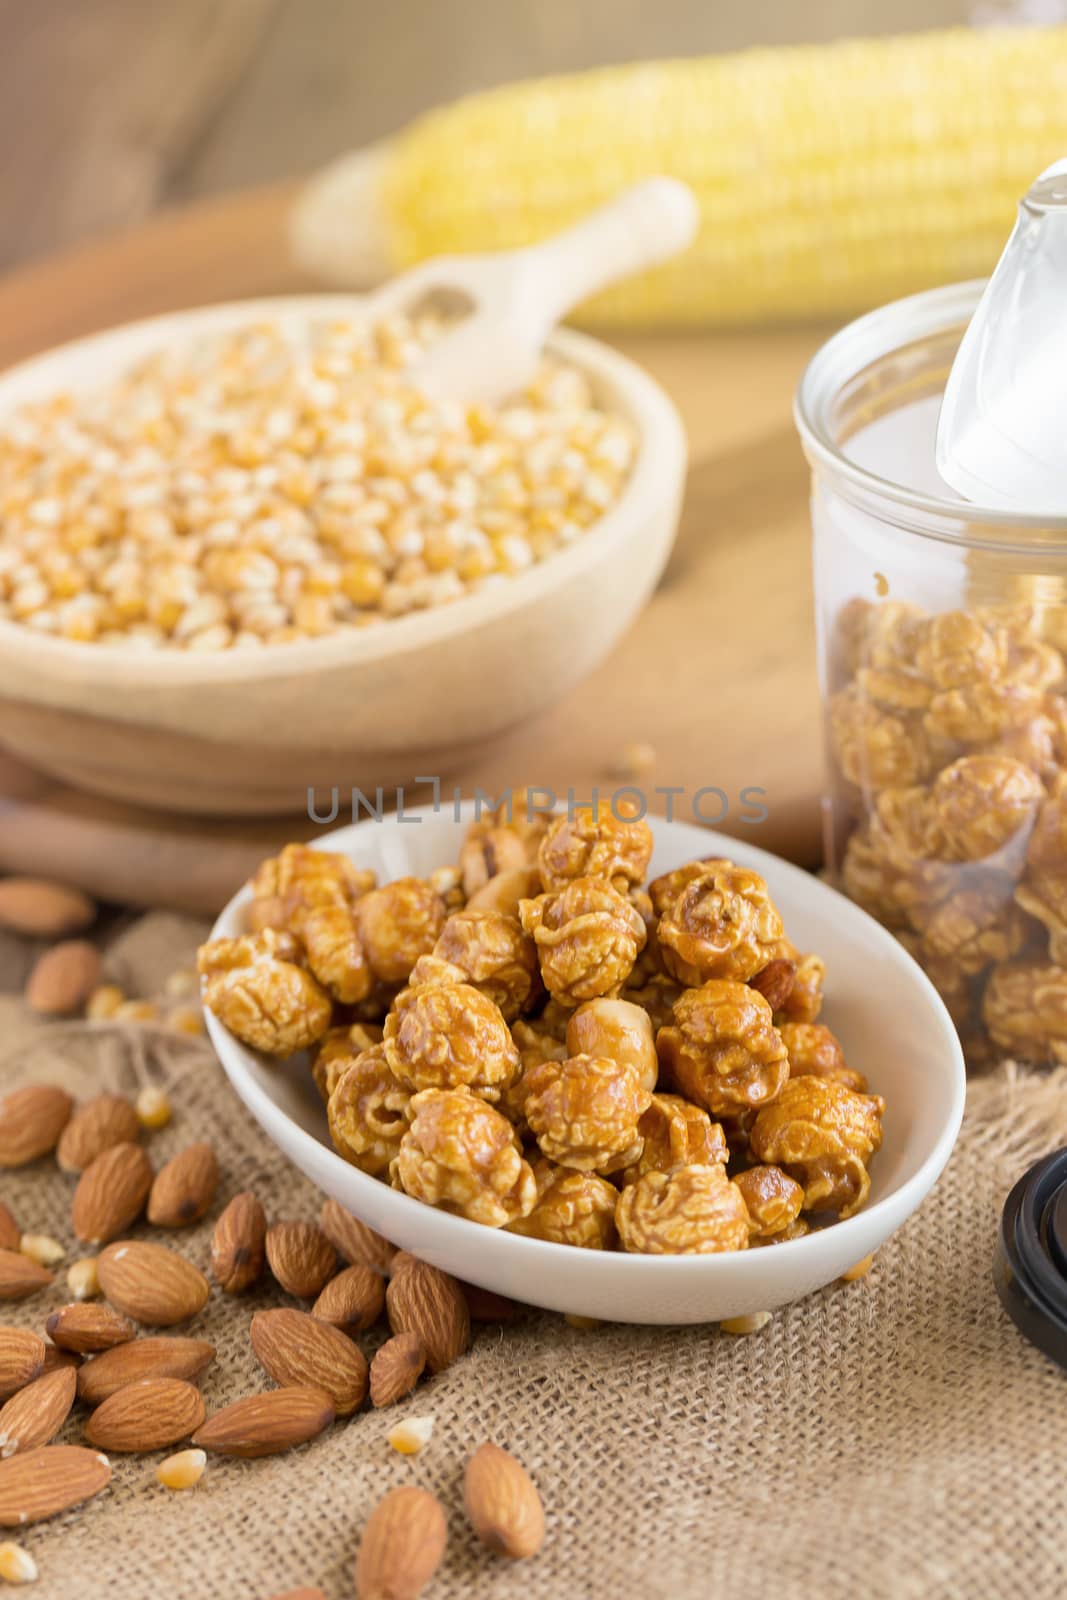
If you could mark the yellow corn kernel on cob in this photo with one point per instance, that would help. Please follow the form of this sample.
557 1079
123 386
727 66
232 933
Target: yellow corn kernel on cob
830 177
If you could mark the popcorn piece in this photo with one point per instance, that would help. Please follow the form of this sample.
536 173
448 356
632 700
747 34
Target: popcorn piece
368 1112
877 749
1025 1009
816 1052
492 953
460 1154
722 925
575 1208
588 937
584 1112
772 1198
722 1049
261 995
690 1211
676 1133
397 924
334 953
594 843
450 1036
982 803
823 1135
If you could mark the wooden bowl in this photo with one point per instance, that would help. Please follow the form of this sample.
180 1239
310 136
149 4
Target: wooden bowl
240 733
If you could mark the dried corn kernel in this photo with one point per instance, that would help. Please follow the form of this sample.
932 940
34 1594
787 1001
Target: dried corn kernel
153 1108
409 1437
82 1278
181 984
182 1470
137 1011
860 1270
16 1564
583 1324
43 1249
104 1002
753 1323
186 1019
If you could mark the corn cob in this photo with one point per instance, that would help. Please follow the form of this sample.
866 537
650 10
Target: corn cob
830 178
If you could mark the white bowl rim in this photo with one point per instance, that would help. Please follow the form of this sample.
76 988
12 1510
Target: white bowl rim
658 467
903 1199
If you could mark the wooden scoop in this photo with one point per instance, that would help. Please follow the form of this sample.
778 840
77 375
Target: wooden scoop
512 299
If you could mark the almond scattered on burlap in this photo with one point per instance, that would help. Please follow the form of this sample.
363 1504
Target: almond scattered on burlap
43 909
151 1283
422 1300
63 978
266 1424
503 1504
31 1121
403 1545
300 1257
22 1354
354 1300
56 1359
159 1356
353 1240
238 1245
35 1484
36 1413
111 1193
107 1120
147 1415
397 1367
87 1329
183 1190
21 1276
300 1352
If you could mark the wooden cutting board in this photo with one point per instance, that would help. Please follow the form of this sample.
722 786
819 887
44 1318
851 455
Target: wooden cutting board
716 679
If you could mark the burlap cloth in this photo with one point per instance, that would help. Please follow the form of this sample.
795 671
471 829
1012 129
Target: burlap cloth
890 1438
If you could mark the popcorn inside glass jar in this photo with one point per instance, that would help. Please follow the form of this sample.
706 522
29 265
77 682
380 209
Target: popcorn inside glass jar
257 488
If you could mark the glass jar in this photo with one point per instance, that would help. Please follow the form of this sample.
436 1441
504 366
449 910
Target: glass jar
942 632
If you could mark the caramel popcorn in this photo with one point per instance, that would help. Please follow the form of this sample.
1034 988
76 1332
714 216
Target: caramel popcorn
584 1112
690 1211
823 1135
981 803
883 636
299 879
535 1043
981 711
368 1112
664 891
256 989
723 924
1025 1010
493 955
461 1155
337 1050
815 1052
722 1050
676 1133
619 1030
588 937
656 996
804 1000
334 953
594 843
575 1208
397 924
877 749
449 1036
773 1200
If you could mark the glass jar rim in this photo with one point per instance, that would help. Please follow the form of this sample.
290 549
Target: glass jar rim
858 345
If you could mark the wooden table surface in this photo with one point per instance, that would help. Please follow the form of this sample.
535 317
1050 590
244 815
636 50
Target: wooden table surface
717 676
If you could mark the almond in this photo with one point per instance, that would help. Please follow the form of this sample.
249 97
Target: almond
238 1244
266 1424
21 1358
157 1357
152 1284
63 978
111 1193
95 1127
354 1300
503 1504
86 1329
31 1120
43 909
422 1300
35 1415
57 1360
353 1240
10 1234
184 1189
396 1368
775 982
300 1257
148 1415
486 1306
39 1483
20 1275
301 1353
402 1547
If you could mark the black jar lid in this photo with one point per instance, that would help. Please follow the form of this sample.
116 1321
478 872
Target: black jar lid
1030 1269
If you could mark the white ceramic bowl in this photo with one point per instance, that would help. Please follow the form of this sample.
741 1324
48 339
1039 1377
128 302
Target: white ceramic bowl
890 1020
239 732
